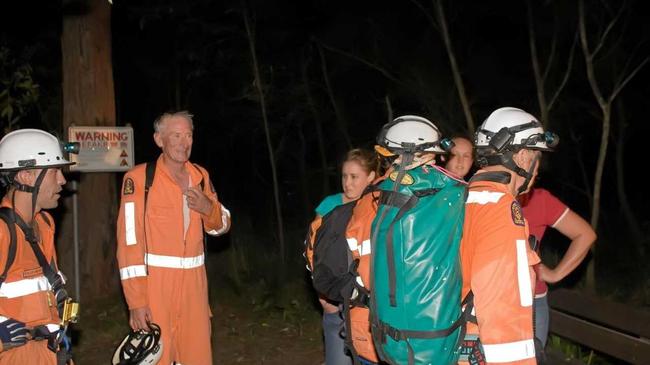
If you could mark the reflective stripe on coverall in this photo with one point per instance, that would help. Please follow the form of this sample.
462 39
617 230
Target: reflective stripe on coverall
175 287
497 265
358 237
26 295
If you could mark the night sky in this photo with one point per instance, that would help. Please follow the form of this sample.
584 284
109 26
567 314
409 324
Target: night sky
195 55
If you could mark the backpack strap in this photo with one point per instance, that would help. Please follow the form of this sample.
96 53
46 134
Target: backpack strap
150 172
30 236
5 215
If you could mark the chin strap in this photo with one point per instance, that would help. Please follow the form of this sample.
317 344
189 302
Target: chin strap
29 189
505 160
529 176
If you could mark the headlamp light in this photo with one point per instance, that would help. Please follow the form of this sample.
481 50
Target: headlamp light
71 147
551 139
447 144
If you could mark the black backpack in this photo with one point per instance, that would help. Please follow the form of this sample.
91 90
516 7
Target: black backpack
332 262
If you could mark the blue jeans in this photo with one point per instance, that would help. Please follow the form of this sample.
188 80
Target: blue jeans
334 344
364 361
540 306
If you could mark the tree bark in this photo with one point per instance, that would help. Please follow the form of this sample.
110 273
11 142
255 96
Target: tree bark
89 100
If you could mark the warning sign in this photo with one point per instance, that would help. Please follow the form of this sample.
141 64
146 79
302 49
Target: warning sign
102 149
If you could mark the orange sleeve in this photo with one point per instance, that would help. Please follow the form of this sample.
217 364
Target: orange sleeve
131 245
311 240
218 221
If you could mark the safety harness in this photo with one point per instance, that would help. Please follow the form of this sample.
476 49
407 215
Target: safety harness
49 271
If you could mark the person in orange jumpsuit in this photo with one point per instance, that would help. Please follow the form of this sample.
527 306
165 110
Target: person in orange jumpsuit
160 245
31 286
496 258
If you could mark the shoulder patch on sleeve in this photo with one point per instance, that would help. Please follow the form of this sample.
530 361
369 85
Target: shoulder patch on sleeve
129 187
517 215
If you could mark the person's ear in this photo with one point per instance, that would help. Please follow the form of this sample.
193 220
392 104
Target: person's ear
27 177
520 157
157 137
371 177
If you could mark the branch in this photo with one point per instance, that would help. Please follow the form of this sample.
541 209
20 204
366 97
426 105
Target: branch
426 13
375 67
591 75
551 55
539 79
621 85
609 28
567 73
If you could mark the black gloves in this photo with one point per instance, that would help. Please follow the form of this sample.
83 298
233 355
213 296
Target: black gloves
12 333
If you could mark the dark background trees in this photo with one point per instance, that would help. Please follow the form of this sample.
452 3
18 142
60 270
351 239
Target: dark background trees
331 73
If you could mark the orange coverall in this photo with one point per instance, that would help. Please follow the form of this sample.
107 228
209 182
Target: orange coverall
162 265
498 267
358 237
26 295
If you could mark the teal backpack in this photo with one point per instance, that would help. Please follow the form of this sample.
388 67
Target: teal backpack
416 292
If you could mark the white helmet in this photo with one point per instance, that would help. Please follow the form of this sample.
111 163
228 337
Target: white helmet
140 348
411 133
30 149
510 129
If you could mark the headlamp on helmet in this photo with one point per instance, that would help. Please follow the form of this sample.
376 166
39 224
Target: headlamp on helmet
511 129
31 149
411 134
71 147
140 348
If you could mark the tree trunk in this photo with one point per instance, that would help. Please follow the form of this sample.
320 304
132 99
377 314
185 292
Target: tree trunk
343 127
539 79
267 131
634 229
318 126
89 100
389 109
458 80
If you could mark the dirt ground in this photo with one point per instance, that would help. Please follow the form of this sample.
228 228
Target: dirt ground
248 329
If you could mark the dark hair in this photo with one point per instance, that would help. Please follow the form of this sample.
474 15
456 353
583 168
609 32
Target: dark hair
366 159
464 136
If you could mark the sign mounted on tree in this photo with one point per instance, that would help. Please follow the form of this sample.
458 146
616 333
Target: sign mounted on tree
102 149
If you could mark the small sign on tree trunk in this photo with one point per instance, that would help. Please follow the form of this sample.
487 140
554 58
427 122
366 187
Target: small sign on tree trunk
102 149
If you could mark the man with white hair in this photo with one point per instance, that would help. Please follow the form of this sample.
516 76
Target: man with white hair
165 209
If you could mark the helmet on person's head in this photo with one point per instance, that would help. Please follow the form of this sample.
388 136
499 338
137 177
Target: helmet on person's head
30 149
411 134
140 348
512 129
